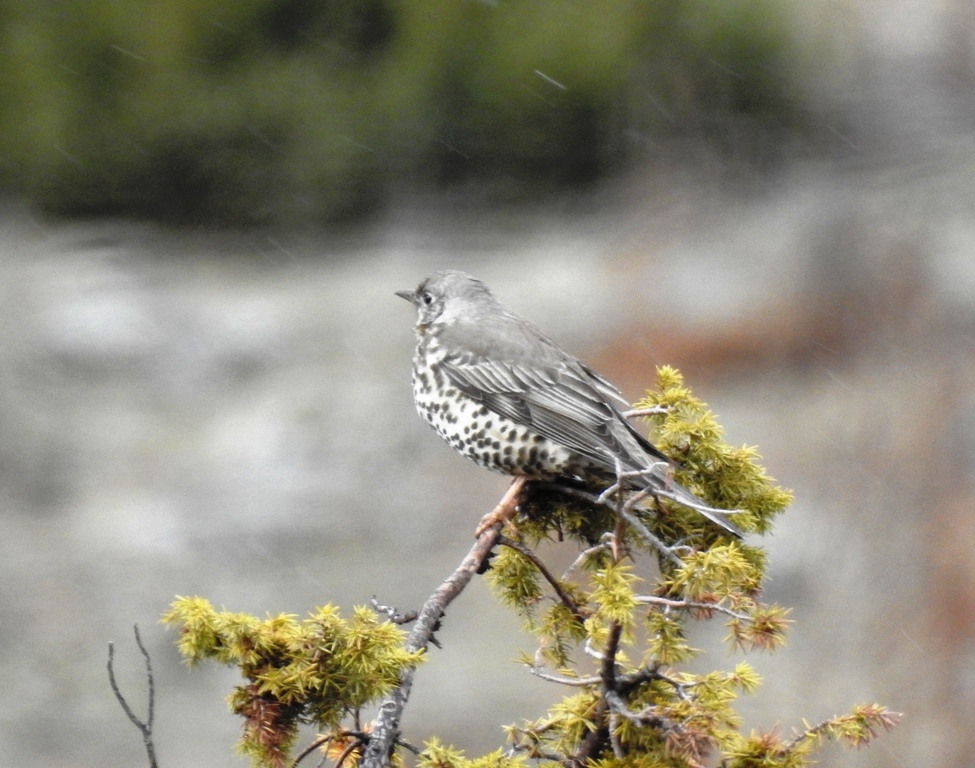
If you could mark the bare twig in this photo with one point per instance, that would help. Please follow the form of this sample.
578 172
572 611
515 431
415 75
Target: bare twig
385 728
406 745
652 411
637 474
644 533
590 651
534 750
144 726
391 613
678 686
603 546
321 741
350 748
693 604
576 682
400 618
567 601
607 670
646 716
633 680
614 720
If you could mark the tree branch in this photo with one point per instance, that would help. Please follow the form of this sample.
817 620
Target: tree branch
321 741
391 613
692 604
652 411
576 682
349 749
144 726
567 601
385 727
612 499
644 533
605 545
593 742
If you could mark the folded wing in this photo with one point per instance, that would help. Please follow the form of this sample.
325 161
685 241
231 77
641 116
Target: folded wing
564 402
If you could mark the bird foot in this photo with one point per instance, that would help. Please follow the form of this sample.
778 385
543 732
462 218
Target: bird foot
506 509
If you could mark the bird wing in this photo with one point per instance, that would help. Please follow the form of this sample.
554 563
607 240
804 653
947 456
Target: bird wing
563 401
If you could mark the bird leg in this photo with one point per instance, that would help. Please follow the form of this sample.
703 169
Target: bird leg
505 510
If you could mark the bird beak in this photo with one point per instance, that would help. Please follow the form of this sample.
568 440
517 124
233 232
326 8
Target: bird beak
410 296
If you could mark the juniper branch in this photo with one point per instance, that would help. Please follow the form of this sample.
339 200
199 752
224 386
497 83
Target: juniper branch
593 743
567 601
645 716
613 498
644 533
385 727
603 546
669 603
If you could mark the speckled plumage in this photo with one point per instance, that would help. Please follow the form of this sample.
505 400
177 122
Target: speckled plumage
506 396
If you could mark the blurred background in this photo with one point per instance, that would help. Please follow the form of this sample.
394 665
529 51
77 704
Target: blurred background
204 374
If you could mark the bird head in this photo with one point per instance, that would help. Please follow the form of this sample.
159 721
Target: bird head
446 295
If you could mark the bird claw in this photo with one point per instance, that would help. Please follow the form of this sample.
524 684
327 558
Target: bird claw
507 508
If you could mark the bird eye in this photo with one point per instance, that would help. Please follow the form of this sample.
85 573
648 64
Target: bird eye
426 298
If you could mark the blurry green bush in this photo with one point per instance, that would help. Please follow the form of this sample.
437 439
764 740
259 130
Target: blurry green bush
248 111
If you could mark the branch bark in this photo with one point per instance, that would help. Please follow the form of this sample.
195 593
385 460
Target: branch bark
385 727
567 601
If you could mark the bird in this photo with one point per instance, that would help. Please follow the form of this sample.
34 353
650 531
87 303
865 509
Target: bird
506 396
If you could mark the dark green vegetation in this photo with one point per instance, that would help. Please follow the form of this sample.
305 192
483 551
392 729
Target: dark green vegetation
249 111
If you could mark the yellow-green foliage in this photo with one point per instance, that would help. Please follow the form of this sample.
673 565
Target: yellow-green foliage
319 670
649 618
613 595
515 570
611 628
857 729
646 712
725 476
436 755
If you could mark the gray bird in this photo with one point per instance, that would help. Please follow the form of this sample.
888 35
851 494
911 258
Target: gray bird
506 396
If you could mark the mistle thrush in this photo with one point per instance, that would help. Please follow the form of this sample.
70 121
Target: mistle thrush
509 398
